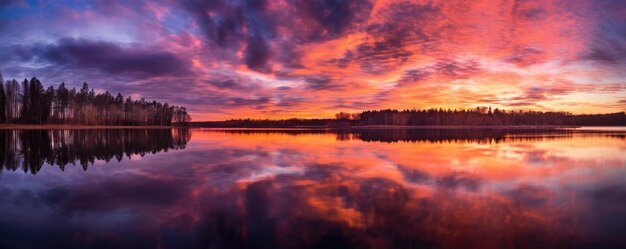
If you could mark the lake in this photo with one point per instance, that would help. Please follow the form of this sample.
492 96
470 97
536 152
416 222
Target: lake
376 188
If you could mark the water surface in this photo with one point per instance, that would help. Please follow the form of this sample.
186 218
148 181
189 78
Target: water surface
408 188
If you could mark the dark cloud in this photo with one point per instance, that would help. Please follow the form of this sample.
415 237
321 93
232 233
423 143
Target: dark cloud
528 10
227 83
235 83
251 27
347 57
289 101
288 55
542 93
524 103
381 56
413 75
359 103
530 96
525 56
238 101
607 46
233 26
227 29
451 68
333 17
223 27
403 24
259 5
320 82
405 21
534 94
8 3
111 58
606 55
457 69
257 53
533 13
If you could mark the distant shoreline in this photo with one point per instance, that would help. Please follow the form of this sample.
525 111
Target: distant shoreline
516 127
77 127
364 127
511 127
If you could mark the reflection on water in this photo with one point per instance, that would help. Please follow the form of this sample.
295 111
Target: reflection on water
30 149
314 189
486 135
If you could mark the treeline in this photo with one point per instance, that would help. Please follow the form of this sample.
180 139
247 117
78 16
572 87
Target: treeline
30 102
481 116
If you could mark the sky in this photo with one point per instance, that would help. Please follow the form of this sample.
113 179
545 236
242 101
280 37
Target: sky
313 58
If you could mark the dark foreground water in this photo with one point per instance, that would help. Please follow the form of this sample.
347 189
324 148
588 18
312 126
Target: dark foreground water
312 189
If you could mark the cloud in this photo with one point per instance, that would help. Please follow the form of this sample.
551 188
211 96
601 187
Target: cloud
232 83
236 26
607 54
224 27
400 25
9 3
607 46
526 56
320 82
257 53
239 101
111 58
226 83
333 17
450 69
286 101
258 58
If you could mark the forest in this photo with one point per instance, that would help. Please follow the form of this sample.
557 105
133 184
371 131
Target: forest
480 116
29 102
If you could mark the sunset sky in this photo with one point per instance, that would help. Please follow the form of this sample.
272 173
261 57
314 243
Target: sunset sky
313 58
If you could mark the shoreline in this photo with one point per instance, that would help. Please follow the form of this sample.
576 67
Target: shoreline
510 127
328 128
77 127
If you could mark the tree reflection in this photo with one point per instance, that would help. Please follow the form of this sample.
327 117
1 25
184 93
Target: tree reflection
29 150
422 135
457 135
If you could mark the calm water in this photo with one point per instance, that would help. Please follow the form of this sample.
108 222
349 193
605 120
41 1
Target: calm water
411 188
